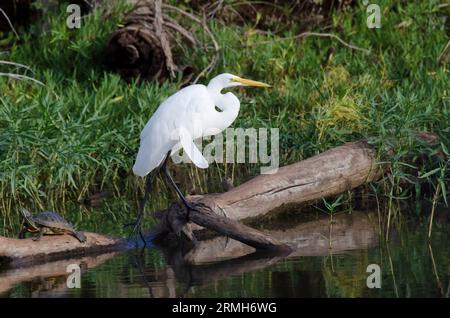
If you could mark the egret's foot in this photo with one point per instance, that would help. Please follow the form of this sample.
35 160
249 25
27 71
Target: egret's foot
189 208
137 230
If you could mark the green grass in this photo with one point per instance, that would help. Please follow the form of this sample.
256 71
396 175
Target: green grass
79 133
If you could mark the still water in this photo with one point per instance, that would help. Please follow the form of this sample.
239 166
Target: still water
326 262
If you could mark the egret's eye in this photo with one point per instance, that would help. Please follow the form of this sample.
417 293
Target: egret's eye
217 109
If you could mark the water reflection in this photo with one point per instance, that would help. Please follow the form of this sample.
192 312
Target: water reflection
50 278
225 268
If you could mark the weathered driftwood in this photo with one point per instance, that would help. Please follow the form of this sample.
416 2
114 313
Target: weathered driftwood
330 173
18 252
203 216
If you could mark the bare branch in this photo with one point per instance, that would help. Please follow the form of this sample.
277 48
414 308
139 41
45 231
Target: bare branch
158 23
306 34
9 22
207 70
16 64
205 27
21 77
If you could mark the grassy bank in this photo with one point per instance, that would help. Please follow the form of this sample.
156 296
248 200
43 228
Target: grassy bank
78 135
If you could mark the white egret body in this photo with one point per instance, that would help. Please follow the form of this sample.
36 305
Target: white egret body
183 117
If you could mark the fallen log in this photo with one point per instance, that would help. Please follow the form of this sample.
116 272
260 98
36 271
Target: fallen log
175 221
332 172
14 252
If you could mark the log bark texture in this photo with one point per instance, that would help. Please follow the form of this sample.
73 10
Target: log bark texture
15 252
332 172
175 221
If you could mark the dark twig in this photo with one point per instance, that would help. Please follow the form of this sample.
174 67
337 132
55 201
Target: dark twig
167 21
202 22
9 22
207 70
158 23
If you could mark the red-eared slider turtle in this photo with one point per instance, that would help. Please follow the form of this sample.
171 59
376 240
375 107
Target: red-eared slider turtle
48 223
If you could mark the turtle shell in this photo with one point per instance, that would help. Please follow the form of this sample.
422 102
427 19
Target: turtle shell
52 220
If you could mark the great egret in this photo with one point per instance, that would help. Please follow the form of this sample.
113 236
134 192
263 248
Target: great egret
183 117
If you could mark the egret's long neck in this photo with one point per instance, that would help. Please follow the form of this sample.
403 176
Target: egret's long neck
229 105
215 87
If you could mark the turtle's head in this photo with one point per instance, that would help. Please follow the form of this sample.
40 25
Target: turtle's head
26 214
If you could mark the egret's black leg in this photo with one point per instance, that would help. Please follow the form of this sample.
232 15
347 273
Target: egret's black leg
137 224
174 185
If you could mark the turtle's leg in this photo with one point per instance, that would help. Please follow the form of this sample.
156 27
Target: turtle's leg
39 236
22 232
80 236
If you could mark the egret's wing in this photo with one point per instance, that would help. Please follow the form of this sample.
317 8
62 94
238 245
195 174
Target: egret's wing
150 155
191 149
162 132
179 108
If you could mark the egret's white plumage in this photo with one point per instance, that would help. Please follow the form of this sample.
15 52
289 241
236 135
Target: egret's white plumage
185 116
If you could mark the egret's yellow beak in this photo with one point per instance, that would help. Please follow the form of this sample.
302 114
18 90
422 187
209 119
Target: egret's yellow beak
247 82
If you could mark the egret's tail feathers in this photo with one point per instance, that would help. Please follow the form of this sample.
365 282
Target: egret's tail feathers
146 162
139 170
